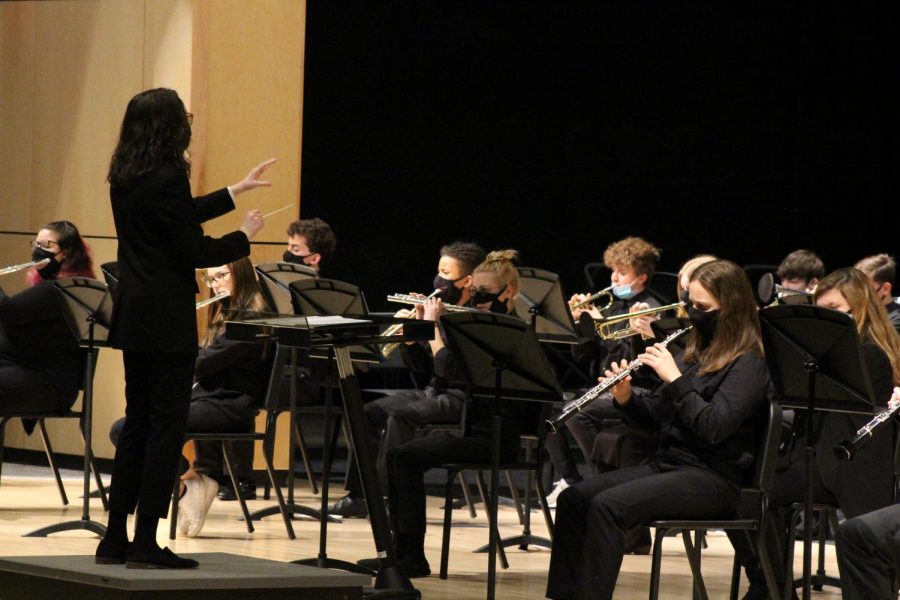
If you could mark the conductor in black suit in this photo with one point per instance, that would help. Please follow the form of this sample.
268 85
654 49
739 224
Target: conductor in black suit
161 243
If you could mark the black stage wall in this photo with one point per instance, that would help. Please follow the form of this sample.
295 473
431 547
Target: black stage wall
743 129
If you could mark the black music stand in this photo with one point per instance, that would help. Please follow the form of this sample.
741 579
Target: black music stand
274 279
318 298
501 359
541 295
816 363
87 307
110 272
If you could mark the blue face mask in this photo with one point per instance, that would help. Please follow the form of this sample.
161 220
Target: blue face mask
623 292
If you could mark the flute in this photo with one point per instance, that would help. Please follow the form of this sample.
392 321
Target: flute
23 266
575 406
209 301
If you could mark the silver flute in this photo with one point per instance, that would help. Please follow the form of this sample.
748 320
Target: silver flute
576 406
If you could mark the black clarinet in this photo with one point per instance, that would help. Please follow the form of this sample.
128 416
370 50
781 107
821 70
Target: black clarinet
846 449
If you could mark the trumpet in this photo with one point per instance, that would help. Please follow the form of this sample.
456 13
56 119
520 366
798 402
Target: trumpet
846 449
594 297
209 301
387 349
602 325
770 293
416 300
575 406
23 266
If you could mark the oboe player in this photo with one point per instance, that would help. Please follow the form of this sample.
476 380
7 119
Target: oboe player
864 484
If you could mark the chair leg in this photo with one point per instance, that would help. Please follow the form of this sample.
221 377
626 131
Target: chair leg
542 496
3 422
270 471
656 563
48 450
236 485
789 554
176 493
517 501
467 494
735 579
448 517
692 549
304 455
500 551
765 561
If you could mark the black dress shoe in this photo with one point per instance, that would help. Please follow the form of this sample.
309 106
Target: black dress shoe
369 563
156 558
415 566
110 553
248 491
349 506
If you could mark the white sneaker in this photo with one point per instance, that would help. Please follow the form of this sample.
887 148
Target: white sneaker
558 487
182 523
201 491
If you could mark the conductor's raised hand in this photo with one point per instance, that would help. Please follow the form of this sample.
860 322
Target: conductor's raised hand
252 180
622 390
658 358
253 222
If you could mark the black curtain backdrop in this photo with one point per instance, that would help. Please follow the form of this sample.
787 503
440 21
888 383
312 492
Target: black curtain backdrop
743 129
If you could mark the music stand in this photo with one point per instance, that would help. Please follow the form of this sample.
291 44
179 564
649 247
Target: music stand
274 279
330 297
501 359
541 295
87 308
816 363
110 272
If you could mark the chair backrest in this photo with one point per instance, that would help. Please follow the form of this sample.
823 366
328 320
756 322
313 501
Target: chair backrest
110 272
663 286
764 469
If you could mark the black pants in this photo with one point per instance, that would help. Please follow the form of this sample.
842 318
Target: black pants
393 421
409 462
212 415
157 397
592 518
870 555
24 390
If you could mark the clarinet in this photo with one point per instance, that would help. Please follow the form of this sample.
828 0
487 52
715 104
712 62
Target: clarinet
575 406
846 449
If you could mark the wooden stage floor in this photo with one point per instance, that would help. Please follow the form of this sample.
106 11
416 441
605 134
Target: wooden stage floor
30 502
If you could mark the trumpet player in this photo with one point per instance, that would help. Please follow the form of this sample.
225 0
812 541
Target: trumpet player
800 271
442 400
41 367
882 271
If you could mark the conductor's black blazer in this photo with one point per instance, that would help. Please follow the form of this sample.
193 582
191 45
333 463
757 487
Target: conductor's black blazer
161 243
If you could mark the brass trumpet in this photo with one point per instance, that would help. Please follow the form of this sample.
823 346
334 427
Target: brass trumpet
594 297
416 300
602 325
387 349
209 301
23 266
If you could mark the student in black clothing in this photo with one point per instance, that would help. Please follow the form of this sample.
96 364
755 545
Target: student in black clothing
41 366
161 242
311 243
230 379
801 270
495 284
882 271
709 410
858 486
398 416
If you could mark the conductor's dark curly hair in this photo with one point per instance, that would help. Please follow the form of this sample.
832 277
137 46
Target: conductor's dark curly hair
156 131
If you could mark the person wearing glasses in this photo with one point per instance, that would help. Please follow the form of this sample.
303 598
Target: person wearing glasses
41 366
230 380
161 242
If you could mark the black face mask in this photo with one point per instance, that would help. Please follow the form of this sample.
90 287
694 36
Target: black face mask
297 259
704 321
497 306
51 269
450 294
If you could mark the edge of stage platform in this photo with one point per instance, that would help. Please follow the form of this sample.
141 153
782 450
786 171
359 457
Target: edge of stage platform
77 576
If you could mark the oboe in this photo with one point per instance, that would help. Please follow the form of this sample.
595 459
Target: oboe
846 449
575 406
